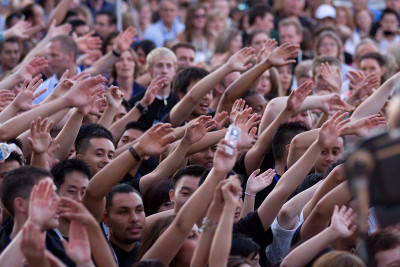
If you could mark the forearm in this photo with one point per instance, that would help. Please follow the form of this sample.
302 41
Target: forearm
118 127
107 117
222 241
208 140
248 205
166 168
300 143
9 112
103 64
304 253
10 81
39 160
101 251
68 134
59 12
241 86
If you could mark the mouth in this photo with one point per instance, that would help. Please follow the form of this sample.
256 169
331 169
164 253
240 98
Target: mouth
209 164
136 229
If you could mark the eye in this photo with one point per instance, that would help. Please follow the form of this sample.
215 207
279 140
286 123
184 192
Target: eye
71 192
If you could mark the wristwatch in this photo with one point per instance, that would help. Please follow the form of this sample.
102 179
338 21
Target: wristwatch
142 109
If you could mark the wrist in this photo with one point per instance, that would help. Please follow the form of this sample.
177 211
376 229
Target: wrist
250 193
139 150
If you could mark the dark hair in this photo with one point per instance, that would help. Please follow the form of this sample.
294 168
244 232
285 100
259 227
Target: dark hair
119 189
381 240
27 11
203 177
192 170
234 261
388 11
284 135
243 246
185 76
152 233
374 55
88 132
146 45
258 11
11 40
253 34
70 13
183 45
67 44
14 156
65 167
76 23
19 183
150 263
15 141
136 125
112 19
156 195
107 40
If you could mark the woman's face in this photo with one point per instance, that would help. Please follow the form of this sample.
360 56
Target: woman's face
264 84
186 252
145 14
125 65
141 56
328 47
199 19
341 17
285 77
259 41
236 44
363 20
217 24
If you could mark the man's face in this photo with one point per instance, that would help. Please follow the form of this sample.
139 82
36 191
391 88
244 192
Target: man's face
328 47
293 7
99 154
204 157
222 6
74 186
389 22
387 258
184 57
121 112
267 22
393 4
57 60
129 136
5 168
329 155
288 34
9 56
304 117
82 30
102 25
257 102
371 66
126 218
364 49
168 12
185 188
165 68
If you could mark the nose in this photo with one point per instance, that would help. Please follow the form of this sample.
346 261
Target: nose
133 217
79 197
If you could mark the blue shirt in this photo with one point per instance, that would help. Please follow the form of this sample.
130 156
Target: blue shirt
158 33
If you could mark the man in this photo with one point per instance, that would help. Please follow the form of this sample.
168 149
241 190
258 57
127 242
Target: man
16 191
365 46
383 248
105 23
71 178
260 17
79 27
9 55
168 27
185 54
94 145
388 31
159 62
294 9
320 85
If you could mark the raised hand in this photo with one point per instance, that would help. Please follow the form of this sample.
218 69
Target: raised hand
224 162
73 210
333 76
6 98
362 126
54 30
43 204
124 40
221 118
283 55
78 247
355 77
114 97
240 61
33 245
20 30
237 107
35 66
155 141
40 135
66 84
89 58
266 51
366 87
151 91
246 124
342 221
332 102
24 99
88 42
198 129
296 97
332 129
256 182
231 191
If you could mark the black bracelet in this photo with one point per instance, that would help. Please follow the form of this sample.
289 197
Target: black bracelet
134 154
115 53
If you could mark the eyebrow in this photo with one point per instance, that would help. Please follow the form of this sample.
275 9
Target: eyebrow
186 188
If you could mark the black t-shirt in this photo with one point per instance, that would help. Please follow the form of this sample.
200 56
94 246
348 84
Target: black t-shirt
125 259
157 110
268 163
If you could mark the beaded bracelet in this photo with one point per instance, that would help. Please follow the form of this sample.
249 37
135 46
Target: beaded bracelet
248 194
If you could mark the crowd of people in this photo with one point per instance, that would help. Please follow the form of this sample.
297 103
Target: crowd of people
203 133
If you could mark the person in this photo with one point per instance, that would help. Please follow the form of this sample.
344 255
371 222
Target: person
105 23
185 55
198 34
387 32
375 64
168 27
9 55
261 17
364 21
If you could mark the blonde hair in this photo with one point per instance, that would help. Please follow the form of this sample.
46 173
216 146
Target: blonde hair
157 53
332 35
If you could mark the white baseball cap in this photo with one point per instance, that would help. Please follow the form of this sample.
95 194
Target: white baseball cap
324 11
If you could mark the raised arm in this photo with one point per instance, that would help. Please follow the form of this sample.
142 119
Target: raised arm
279 57
169 243
328 134
238 62
152 142
342 226
40 141
114 99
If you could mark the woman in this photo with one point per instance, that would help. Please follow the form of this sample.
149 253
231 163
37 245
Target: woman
286 78
227 43
363 20
344 22
197 33
269 83
123 74
257 40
